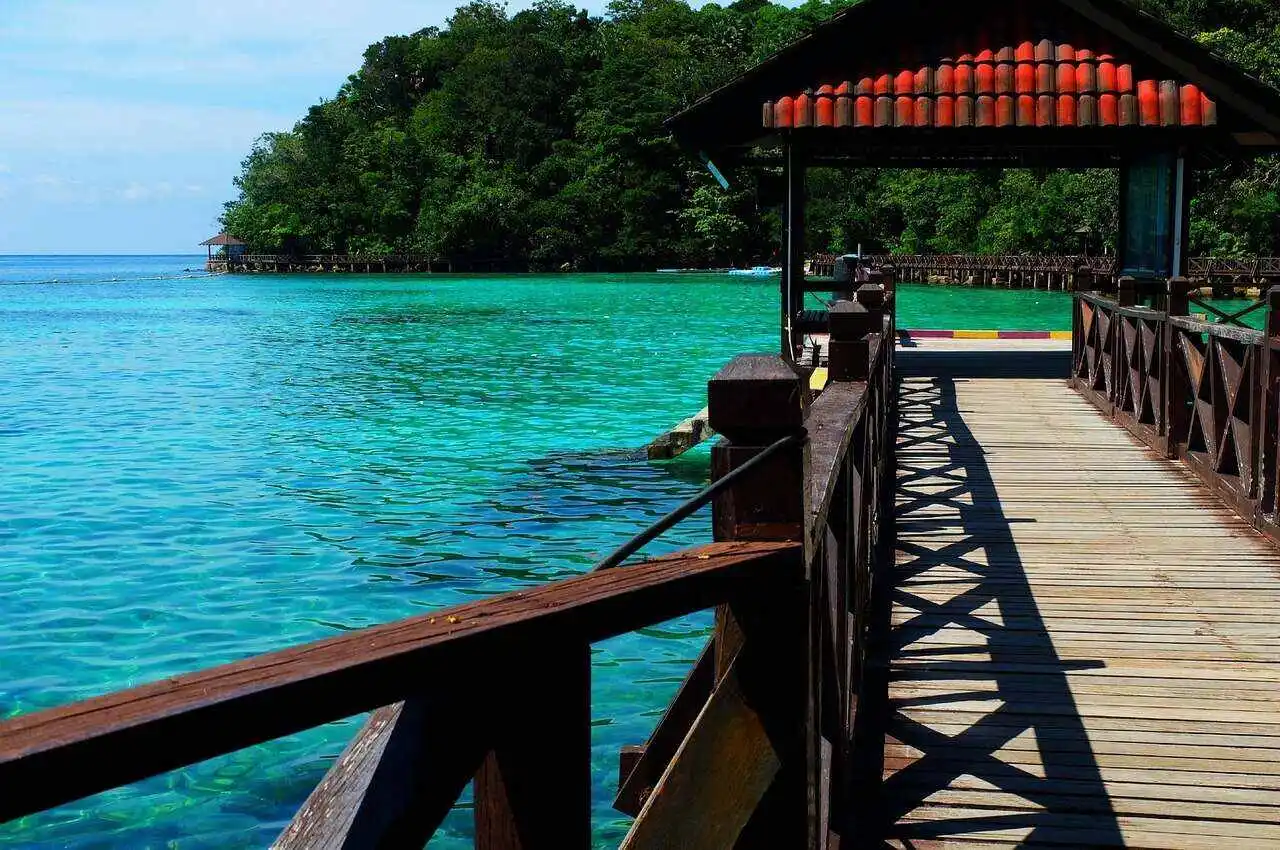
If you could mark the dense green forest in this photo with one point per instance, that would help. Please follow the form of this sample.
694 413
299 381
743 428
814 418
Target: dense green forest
536 140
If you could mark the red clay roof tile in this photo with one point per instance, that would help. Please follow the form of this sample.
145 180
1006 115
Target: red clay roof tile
1035 83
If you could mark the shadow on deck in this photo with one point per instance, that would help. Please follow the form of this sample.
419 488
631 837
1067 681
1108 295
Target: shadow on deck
983 740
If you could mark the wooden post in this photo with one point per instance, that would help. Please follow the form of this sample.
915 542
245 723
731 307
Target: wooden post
847 357
1179 299
740 776
752 402
1127 295
768 645
1269 439
1174 380
1183 189
534 788
793 209
1081 279
873 297
1273 312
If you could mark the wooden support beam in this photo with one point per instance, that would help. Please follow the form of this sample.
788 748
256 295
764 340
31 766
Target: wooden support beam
718 777
793 254
650 761
754 402
738 779
681 438
396 780
534 788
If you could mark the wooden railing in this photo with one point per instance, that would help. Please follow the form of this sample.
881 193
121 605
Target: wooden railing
318 259
755 750
1247 270
1205 393
1022 267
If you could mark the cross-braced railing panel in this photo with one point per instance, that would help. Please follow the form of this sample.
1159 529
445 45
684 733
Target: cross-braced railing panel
1207 393
1220 375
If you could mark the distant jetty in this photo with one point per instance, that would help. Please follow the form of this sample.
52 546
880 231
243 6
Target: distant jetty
350 263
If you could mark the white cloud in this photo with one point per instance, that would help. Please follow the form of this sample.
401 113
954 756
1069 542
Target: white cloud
231 41
140 192
83 125
63 190
58 189
163 190
146 107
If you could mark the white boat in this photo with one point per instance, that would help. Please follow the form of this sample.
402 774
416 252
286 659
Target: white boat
756 271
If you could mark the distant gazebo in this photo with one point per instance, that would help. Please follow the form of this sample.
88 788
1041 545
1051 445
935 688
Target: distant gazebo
1001 83
232 247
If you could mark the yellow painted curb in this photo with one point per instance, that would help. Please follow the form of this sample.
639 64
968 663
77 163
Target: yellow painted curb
818 379
1059 334
976 335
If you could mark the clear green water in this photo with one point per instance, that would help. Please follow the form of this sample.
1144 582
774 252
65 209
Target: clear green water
197 470
972 308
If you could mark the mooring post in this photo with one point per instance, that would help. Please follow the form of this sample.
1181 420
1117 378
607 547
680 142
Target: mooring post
849 349
765 645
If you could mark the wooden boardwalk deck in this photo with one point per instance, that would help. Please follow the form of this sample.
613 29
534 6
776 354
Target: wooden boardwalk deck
1083 647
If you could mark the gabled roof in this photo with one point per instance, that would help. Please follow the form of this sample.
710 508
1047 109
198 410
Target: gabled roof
222 239
917 77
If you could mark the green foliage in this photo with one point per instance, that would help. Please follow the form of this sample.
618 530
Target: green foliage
536 140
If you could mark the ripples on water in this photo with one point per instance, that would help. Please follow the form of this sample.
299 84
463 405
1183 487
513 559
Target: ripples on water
200 470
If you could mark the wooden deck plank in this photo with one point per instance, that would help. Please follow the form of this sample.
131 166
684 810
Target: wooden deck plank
1082 646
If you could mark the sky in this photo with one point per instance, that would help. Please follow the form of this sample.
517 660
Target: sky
123 122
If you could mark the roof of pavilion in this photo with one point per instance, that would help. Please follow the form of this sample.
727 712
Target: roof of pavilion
222 239
988 80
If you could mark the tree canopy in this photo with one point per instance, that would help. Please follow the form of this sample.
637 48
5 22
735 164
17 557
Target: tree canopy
535 140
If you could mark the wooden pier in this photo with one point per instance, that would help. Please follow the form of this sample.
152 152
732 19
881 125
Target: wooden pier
977 592
348 263
967 594
1079 651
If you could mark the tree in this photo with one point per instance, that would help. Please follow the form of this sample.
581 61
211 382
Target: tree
536 140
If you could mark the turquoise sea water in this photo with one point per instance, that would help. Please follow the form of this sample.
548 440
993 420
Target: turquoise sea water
196 469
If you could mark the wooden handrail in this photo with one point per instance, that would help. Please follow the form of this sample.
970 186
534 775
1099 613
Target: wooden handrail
55 756
1209 269
1204 393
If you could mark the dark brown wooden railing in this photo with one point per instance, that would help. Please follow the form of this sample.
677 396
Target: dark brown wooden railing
1019 270
755 750
1205 393
1071 271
